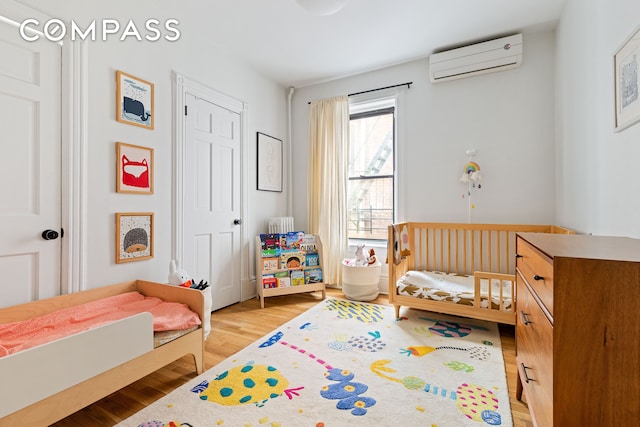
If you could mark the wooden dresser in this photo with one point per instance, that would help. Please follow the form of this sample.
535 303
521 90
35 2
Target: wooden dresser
578 329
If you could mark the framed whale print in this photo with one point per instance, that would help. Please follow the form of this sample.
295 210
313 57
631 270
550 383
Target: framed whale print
134 97
134 236
134 169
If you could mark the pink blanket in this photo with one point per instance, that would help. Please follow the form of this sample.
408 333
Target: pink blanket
21 335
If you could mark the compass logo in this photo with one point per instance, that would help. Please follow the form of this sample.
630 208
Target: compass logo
55 30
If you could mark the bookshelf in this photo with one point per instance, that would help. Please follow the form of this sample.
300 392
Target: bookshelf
265 270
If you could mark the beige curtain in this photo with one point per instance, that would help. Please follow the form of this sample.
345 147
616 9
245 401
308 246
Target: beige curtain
327 181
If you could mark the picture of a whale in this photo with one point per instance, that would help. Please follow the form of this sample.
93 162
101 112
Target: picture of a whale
136 108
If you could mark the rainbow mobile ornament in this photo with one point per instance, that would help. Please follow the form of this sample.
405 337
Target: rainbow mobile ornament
471 176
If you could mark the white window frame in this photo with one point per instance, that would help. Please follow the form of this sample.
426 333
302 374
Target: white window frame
393 97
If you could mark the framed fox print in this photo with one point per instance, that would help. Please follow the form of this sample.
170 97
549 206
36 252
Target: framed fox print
134 97
134 169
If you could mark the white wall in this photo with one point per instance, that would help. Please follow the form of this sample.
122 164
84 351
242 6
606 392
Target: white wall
508 117
196 58
597 182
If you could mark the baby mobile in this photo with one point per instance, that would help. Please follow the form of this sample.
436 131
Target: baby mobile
471 176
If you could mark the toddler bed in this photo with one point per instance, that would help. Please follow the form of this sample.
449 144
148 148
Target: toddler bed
46 380
459 269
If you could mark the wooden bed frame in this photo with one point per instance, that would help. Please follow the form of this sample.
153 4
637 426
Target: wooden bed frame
44 384
486 251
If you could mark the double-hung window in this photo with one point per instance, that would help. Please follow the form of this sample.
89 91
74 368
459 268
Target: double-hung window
370 187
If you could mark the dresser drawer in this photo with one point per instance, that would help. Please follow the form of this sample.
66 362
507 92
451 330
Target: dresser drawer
537 269
534 347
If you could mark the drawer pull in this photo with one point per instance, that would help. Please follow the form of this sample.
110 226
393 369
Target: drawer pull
524 372
524 318
536 277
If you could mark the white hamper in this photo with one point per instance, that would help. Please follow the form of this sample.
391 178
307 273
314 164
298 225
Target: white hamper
360 282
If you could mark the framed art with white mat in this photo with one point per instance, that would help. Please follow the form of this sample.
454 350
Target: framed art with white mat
627 82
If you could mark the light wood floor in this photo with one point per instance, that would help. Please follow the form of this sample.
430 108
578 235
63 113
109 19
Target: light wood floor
232 329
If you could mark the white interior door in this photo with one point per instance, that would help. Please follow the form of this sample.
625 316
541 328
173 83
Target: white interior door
30 183
212 198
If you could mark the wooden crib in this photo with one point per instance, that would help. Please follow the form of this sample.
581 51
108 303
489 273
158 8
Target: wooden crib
485 253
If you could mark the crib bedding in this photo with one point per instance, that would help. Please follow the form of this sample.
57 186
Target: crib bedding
170 320
453 288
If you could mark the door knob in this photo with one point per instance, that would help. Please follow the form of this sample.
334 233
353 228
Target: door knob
50 234
237 221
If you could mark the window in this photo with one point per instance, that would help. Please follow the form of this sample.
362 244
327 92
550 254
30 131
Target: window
370 187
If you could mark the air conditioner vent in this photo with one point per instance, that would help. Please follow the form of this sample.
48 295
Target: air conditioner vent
486 57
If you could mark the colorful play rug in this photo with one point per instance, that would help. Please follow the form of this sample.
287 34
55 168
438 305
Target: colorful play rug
346 363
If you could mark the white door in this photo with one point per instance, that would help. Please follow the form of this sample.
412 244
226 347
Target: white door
212 198
30 182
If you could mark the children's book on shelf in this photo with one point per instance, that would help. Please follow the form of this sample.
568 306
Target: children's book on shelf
312 275
270 245
270 263
293 239
308 243
284 281
269 282
312 259
297 277
292 259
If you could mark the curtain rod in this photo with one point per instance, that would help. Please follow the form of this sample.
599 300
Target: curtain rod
407 84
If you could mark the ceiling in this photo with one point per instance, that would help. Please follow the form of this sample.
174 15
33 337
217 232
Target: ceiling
294 48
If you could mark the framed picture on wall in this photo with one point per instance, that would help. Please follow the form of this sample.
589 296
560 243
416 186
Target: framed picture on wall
269 163
627 82
134 236
134 97
134 169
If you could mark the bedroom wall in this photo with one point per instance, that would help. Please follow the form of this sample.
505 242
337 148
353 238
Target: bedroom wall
197 58
597 182
507 117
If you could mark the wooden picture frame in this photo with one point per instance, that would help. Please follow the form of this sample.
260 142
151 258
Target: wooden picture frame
627 82
269 163
134 100
134 236
134 169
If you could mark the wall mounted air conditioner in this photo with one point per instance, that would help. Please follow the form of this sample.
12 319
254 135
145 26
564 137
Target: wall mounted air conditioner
480 58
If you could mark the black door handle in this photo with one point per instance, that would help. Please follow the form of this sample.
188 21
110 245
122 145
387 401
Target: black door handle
50 234
237 221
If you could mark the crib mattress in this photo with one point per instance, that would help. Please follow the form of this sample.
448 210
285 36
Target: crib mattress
453 288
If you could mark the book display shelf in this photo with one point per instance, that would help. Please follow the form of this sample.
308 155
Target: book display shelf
288 263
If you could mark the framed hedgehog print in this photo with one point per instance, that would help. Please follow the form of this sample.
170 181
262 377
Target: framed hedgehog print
134 236
134 97
134 169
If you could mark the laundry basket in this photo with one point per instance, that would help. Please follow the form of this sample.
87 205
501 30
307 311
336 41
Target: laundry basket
360 282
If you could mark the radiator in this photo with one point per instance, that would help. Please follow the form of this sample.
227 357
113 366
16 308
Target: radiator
281 224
